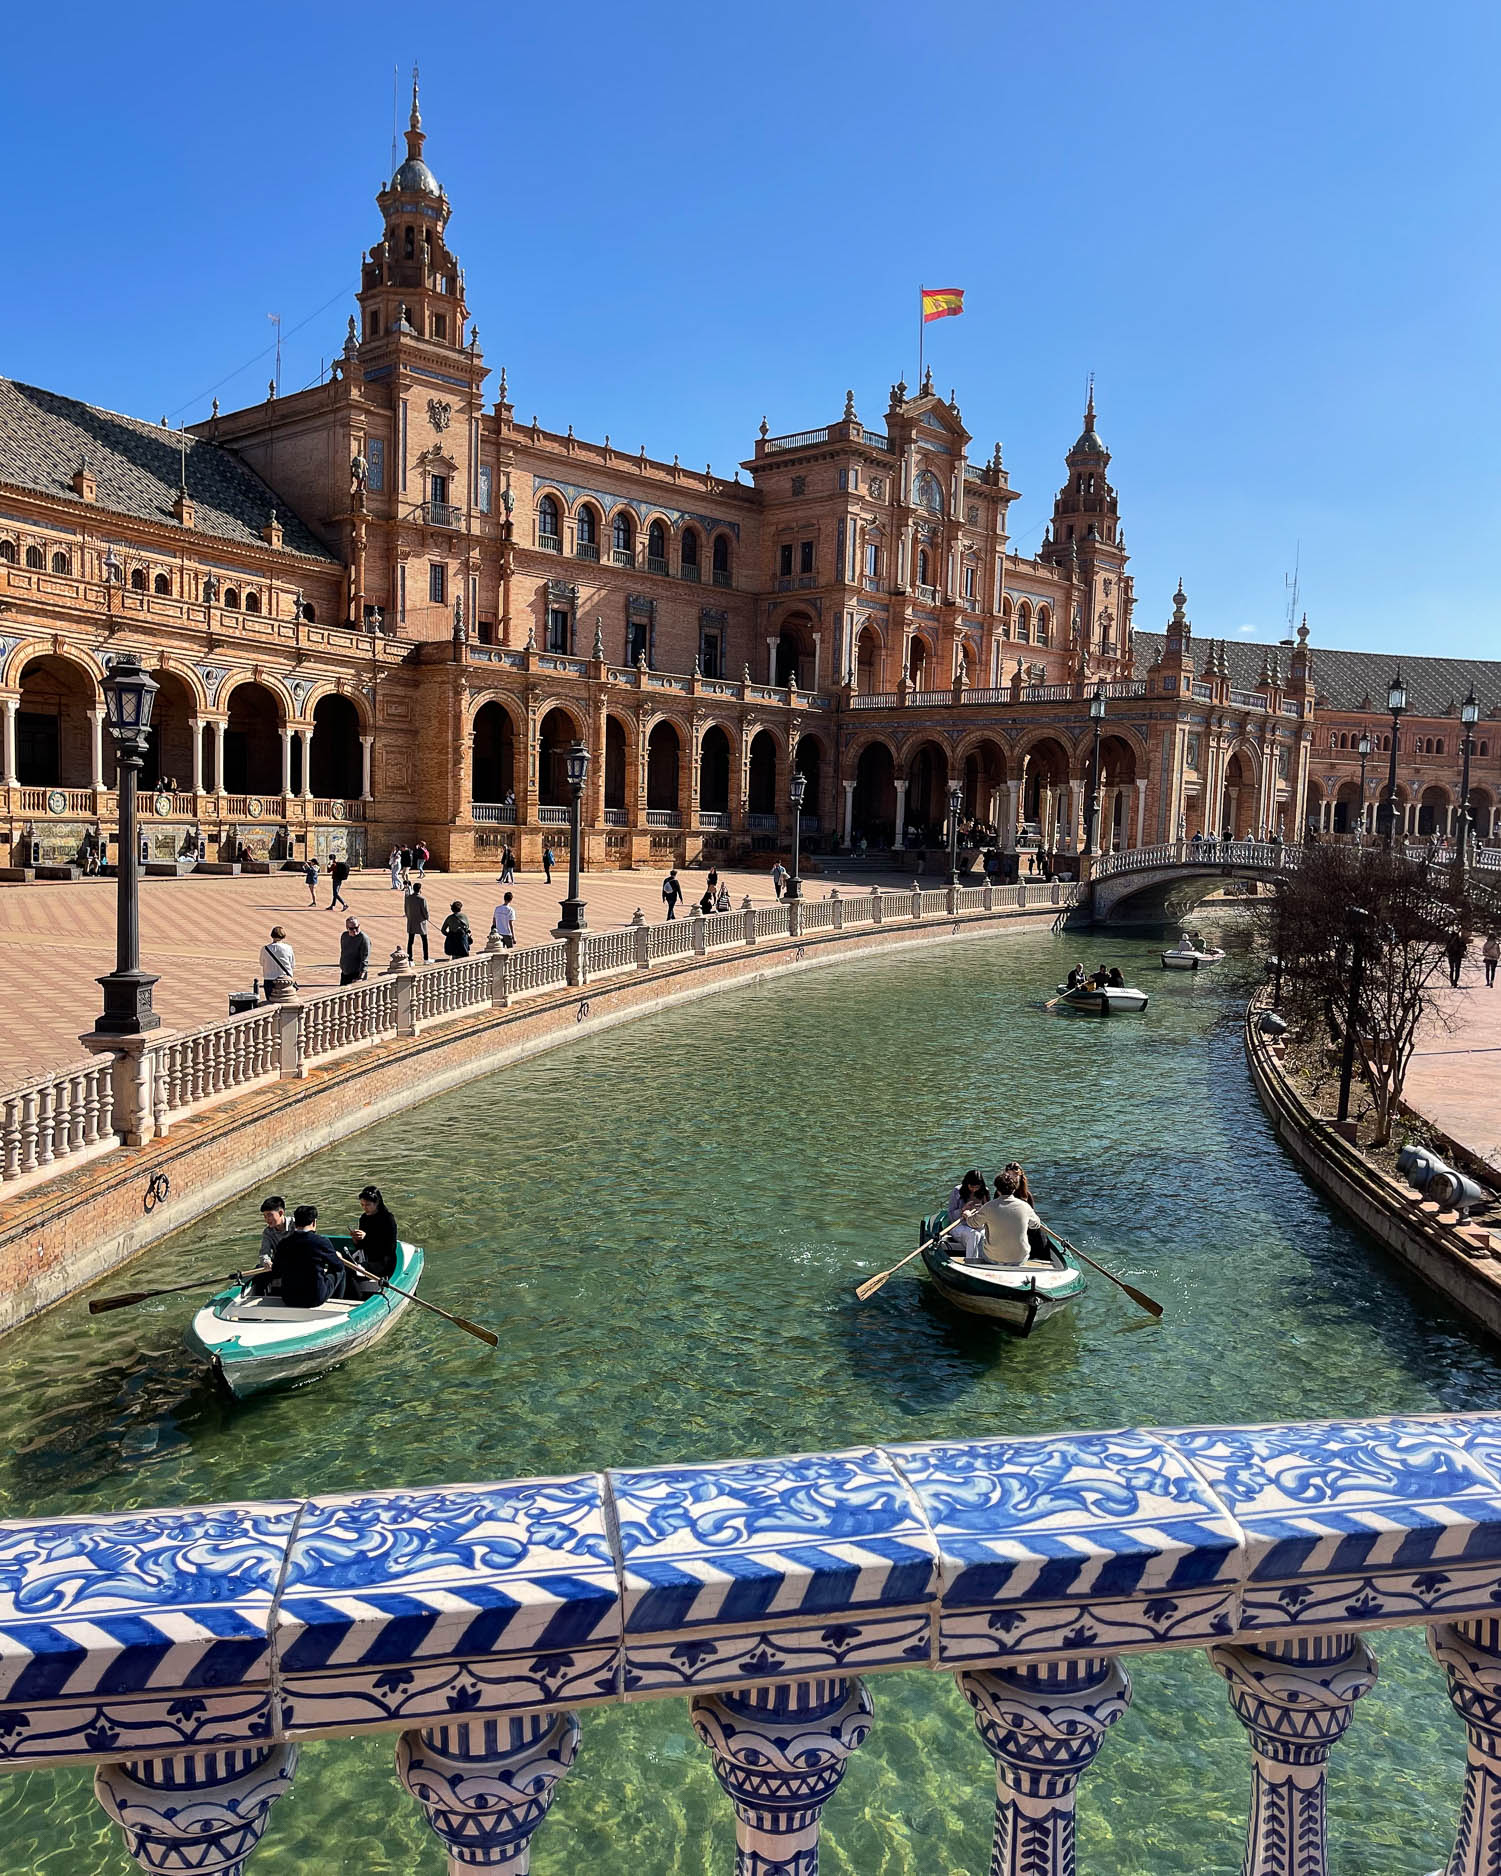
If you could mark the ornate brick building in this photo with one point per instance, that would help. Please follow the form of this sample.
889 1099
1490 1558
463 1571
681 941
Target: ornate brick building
384 607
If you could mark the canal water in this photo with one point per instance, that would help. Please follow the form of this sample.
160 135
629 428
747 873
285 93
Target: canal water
667 1223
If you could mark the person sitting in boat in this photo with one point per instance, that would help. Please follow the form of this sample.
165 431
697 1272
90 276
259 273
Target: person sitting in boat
1076 978
305 1267
375 1234
1023 1190
1010 1229
274 1227
963 1239
1101 978
1115 981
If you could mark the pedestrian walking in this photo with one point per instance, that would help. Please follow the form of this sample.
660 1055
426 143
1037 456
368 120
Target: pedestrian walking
507 865
547 863
1490 953
778 878
338 872
354 953
310 871
393 860
505 922
458 940
1454 951
420 858
672 892
415 907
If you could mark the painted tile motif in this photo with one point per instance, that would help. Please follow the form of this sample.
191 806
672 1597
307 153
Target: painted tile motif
142 1633
1350 1522
406 1605
776 1567
1073 1543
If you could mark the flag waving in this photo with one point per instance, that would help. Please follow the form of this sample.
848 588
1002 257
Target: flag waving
941 303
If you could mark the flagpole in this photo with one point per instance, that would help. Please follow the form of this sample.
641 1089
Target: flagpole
920 336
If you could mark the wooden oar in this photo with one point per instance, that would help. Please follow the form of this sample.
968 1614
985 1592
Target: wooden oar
868 1289
459 1322
1139 1297
101 1305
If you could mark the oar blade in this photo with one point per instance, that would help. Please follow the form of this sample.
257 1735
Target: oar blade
868 1289
485 1335
102 1305
1141 1299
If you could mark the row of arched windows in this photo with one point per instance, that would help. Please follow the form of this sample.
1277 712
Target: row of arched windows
35 558
1421 745
1026 626
623 537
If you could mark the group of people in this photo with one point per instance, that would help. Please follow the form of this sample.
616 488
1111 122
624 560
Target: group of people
338 872
1106 977
303 1269
408 865
999 1227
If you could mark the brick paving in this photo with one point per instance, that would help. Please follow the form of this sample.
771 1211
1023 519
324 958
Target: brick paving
203 934
1455 1077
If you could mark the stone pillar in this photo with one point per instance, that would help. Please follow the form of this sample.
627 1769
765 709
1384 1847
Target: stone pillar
289 1028
286 761
1141 812
1470 1655
218 729
12 706
1295 1699
200 1811
195 725
748 914
780 1752
1013 814
638 927
900 838
367 743
96 747
1042 1726
486 1784
771 661
307 764
849 813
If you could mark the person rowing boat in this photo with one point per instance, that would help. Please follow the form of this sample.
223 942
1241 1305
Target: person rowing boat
1007 1229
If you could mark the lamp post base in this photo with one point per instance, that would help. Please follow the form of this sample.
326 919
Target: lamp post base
570 917
127 1004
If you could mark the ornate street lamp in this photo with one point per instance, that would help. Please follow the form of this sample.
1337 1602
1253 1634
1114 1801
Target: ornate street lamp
576 766
799 788
1097 717
1364 746
956 802
129 693
1469 716
1396 703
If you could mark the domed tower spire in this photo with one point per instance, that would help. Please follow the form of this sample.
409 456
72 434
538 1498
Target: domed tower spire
1086 522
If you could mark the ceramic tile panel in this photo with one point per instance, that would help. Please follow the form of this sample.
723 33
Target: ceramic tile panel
1073 1543
1353 1522
138 1634
766 1568
407 1606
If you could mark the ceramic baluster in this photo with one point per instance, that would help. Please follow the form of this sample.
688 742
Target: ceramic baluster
200 1812
487 1784
1295 1699
1043 1726
1470 1655
779 1752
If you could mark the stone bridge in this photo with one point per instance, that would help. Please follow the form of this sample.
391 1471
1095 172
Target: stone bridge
1153 885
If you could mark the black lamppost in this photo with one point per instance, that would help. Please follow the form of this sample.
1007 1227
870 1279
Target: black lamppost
1359 926
576 765
129 693
1469 716
956 802
798 789
1396 703
1364 747
1097 717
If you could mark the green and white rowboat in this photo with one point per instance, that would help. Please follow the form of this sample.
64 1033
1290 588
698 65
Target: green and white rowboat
1015 1297
253 1343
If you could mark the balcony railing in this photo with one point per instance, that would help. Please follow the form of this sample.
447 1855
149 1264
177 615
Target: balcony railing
442 515
501 812
663 817
762 823
1248 699
616 817
656 563
713 817
550 815
797 441
723 577
550 543
586 550
689 570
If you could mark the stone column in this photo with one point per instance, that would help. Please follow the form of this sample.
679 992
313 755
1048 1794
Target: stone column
849 812
96 747
901 812
1295 1699
286 761
307 764
12 706
1042 1726
218 729
780 1752
1470 1655
1141 812
367 743
486 1784
1013 810
771 661
195 727
203 1811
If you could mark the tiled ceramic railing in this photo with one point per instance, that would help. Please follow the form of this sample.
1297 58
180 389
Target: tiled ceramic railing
136 1097
189 1654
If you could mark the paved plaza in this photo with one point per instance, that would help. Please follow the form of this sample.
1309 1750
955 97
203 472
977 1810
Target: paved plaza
1455 1078
203 935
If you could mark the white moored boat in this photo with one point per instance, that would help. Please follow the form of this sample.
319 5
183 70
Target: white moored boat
1186 956
253 1343
1120 1000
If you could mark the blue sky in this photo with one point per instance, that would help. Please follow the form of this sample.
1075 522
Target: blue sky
1269 231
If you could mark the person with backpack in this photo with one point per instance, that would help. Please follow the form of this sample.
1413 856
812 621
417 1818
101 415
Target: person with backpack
458 940
672 892
548 862
338 872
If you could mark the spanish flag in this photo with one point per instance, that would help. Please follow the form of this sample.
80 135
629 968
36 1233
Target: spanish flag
941 303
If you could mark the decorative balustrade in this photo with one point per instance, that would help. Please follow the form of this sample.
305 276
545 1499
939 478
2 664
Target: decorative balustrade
817 915
191 1069
772 921
663 817
348 1018
762 823
550 815
538 967
502 813
57 1117
1247 699
713 818
64 801
972 898
1048 693
724 928
1264 855
603 952
670 940
875 700
933 902
189 1654
450 989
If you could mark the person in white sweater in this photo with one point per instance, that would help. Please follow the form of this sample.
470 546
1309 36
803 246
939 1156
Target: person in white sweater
1009 1229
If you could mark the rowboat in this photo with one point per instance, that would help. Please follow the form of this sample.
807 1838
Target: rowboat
1015 1297
1187 957
254 1343
1087 1001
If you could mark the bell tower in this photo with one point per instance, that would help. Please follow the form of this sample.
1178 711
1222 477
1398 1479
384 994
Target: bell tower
1086 529
411 283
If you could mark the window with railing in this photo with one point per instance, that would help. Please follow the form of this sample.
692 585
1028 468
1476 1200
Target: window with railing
549 526
587 533
623 540
722 560
688 555
656 548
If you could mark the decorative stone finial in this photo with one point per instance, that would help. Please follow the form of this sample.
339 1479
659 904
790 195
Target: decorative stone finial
351 337
927 383
765 430
531 638
849 407
599 639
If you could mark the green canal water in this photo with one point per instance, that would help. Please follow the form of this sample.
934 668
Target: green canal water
667 1222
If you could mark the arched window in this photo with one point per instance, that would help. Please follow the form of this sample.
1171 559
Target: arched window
252 602
1440 745
1006 619
721 559
623 538
689 554
8 552
162 584
549 530
1024 624
588 533
656 548
1044 625
409 249
60 563
922 567
138 579
231 599
309 612
34 559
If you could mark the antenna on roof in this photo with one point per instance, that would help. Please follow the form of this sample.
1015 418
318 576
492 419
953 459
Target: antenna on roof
1292 583
275 319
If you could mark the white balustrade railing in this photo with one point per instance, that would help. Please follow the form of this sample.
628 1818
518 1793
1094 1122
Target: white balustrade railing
816 915
670 939
724 928
349 1018
772 921
190 1069
934 902
538 967
602 952
57 1117
769 1595
449 989
1262 855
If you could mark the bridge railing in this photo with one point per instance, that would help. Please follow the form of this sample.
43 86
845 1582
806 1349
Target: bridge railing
1265 856
191 1654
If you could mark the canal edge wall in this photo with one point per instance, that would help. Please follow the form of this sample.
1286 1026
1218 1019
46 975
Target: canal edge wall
1455 1259
57 1239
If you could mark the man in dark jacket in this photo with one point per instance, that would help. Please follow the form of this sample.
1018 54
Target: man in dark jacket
305 1266
338 872
354 953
